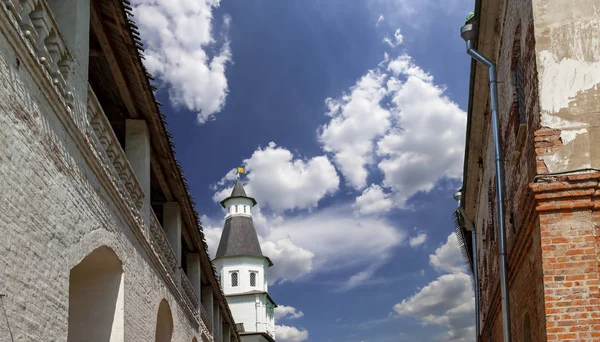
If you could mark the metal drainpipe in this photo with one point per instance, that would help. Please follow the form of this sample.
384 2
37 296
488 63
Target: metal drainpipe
468 34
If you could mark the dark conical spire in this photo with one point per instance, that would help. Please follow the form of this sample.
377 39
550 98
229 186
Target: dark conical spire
238 192
238 189
239 239
239 235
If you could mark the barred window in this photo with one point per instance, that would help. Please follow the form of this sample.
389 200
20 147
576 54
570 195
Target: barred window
519 90
253 279
518 80
234 279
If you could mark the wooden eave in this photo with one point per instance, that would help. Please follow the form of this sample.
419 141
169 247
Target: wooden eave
122 48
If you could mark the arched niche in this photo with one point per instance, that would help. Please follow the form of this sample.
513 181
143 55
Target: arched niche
164 323
96 298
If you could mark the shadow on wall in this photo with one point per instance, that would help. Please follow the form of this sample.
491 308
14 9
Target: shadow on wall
164 323
96 298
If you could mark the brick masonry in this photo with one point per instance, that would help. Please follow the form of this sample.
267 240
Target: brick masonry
55 211
551 221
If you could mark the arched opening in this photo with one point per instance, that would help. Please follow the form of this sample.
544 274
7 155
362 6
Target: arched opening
96 298
194 340
526 328
164 323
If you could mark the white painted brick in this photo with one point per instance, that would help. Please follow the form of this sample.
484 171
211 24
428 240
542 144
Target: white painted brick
54 212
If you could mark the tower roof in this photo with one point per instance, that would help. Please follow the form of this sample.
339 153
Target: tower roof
238 192
239 239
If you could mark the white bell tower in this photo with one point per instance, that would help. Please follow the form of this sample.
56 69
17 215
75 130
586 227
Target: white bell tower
242 269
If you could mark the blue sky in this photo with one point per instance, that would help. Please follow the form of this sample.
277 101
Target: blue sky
349 116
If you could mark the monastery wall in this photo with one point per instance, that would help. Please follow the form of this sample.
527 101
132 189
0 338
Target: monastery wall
56 210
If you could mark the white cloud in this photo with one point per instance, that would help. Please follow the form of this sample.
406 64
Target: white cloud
397 40
292 262
428 140
357 118
212 233
279 181
448 301
397 118
418 240
373 200
344 242
448 257
287 312
178 34
380 19
286 333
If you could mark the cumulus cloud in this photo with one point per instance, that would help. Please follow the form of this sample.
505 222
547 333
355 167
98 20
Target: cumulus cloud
365 244
448 257
292 261
178 35
380 19
448 301
287 312
357 119
427 142
280 181
397 40
417 240
212 233
286 333
397 118
373 200
345 242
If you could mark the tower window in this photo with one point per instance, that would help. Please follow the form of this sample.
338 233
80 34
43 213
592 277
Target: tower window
234 279
253 279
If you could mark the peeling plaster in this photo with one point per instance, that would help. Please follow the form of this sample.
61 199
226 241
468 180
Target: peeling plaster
568 136
561 81
559 162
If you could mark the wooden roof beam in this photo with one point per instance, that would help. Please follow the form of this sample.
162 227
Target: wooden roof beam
109 54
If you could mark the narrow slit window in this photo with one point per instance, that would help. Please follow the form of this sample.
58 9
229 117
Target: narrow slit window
253 279
519 90
234 279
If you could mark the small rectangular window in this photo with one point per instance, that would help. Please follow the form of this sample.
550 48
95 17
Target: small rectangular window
253 279
234 279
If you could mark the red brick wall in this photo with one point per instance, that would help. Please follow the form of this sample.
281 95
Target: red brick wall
568 211
526 286
525 271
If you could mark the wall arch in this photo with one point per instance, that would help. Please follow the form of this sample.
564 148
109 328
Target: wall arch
164 322
96 298
91 241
